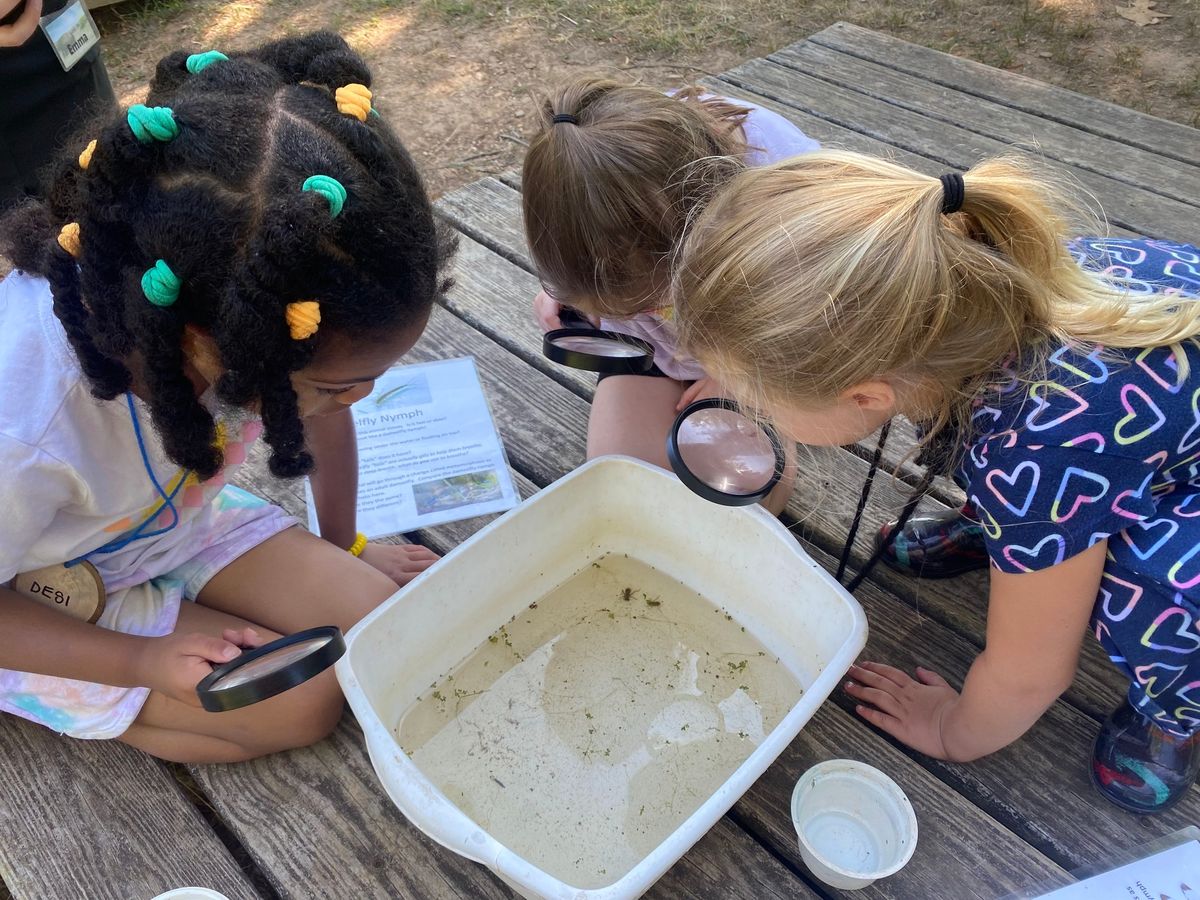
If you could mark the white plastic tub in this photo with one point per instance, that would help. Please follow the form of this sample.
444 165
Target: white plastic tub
743 560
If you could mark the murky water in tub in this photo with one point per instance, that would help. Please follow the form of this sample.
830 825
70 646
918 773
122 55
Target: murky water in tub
587 729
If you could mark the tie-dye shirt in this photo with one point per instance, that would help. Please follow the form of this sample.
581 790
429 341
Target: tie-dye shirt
1106 446
72 477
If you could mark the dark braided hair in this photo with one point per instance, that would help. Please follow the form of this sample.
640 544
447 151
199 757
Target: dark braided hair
222 204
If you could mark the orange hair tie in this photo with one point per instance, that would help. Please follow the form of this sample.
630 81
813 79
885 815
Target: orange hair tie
303 318
354 100
85 158
68 239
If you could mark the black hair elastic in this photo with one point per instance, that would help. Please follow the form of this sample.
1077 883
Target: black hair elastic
953 192
564 118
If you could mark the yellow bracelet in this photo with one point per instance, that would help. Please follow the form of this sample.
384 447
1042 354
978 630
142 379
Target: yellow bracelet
359 545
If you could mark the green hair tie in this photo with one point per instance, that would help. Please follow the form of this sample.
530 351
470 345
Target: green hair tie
152 123
160 284
198 62
329 188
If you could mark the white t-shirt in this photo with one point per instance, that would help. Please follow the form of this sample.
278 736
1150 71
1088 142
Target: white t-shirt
72 477
771 138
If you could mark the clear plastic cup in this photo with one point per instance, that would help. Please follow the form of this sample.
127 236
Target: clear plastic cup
854 823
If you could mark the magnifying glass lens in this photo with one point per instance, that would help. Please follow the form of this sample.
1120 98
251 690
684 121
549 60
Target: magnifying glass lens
266 665
598 346
594 350
727 451
724 455
271 669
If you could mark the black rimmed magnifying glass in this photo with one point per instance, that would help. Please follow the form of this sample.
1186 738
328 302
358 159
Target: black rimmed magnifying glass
732 458
271 669
723 454
581 345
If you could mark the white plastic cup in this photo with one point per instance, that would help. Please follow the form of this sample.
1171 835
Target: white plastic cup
191 893
854 823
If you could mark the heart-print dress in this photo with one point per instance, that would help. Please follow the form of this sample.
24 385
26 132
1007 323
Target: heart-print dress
1107 445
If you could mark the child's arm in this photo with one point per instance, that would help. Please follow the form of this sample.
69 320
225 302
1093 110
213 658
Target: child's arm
1036 622
44 641
334 446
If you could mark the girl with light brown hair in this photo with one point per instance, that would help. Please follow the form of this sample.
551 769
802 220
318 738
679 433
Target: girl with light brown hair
608 186
835 291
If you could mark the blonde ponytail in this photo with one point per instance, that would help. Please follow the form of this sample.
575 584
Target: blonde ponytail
803 279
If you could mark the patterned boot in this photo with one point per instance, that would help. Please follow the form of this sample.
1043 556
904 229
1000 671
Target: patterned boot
939 546
1139 766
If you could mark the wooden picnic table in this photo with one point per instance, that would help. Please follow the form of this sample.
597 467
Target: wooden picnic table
97 820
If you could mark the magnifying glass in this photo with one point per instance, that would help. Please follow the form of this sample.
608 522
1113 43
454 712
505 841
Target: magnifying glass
724 455
581 345
271 669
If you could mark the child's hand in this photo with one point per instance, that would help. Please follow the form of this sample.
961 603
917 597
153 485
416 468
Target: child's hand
246 638
546 310
399 562
174 664
909 710
699 390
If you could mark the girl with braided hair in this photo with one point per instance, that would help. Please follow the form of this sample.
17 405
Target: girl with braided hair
246 252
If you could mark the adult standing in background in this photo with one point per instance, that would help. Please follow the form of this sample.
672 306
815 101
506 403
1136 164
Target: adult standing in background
51 79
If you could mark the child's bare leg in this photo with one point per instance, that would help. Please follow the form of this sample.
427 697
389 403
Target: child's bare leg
288 583
179 732
295 581
632 415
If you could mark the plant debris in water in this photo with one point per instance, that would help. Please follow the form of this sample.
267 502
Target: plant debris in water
581 734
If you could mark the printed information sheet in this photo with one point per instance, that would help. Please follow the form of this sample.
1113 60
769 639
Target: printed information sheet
1172 874
428 451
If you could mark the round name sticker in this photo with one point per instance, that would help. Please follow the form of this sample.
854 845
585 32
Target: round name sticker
76 590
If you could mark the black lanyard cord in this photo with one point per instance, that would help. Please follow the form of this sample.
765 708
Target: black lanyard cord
905 514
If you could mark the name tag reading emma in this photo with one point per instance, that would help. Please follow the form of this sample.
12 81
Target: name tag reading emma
72 33
77 591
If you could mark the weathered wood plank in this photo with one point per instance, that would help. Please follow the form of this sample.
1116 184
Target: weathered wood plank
1105 156
495 296
98 819
489 212
1127 206
961 850
728 863
319 824
1021 92
832 135
829 134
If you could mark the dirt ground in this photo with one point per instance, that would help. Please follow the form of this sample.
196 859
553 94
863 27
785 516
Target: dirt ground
459 77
